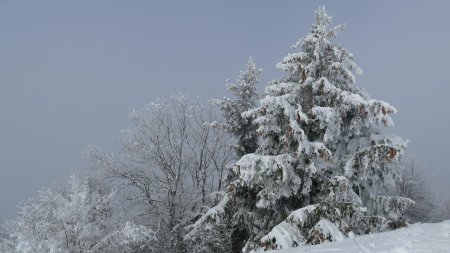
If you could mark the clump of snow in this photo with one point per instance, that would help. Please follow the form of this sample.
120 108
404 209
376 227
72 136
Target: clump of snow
287 234
213 214
327 231
284 235
274 174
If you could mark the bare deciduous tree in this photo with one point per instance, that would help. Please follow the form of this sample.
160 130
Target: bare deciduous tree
171 159
446 208
211 150
442 211
76 217
414 186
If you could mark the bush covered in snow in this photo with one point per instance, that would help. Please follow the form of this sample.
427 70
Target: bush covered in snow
76 217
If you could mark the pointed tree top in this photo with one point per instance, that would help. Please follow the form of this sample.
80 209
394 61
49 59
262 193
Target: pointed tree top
322 18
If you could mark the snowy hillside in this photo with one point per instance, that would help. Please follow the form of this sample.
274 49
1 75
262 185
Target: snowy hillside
417 238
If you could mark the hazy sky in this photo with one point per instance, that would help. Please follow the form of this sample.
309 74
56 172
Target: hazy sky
71 71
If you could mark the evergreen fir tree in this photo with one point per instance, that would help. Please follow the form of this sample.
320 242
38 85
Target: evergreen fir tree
323 168
245 98
216 231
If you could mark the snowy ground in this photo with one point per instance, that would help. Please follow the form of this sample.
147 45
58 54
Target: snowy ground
417 238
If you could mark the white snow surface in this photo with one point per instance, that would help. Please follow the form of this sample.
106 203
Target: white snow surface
417 238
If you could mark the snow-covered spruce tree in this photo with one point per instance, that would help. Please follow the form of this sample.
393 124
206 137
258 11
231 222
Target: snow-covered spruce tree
245 98
323 167
214 232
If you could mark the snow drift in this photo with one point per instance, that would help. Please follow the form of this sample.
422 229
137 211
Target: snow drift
417 238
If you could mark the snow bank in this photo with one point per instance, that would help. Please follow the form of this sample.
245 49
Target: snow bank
417 238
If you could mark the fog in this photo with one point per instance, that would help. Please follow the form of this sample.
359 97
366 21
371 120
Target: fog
71 71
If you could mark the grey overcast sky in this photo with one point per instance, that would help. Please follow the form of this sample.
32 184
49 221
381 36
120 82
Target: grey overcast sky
72 70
